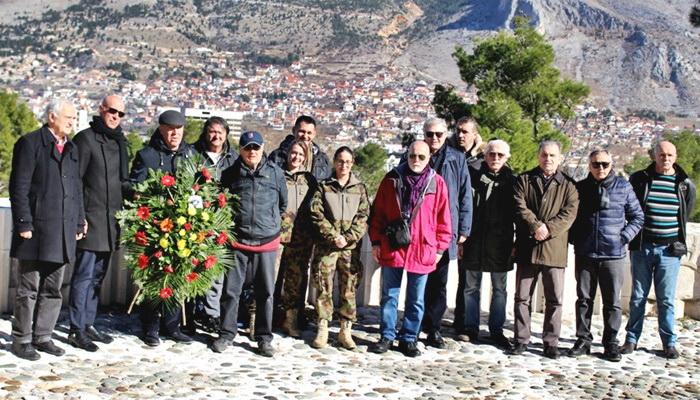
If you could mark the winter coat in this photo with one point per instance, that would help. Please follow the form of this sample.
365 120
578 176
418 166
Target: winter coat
296 218
340 210
321 167
431 231
556 207
158 157
102 189
490 244
685 189
262 195
46 195
227 158
602 233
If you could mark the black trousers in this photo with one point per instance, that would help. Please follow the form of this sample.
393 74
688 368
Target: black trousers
609 274
436 296
261 267
155 319
89 272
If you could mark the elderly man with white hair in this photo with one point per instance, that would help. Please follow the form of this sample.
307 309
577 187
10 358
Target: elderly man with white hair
490 246
48 219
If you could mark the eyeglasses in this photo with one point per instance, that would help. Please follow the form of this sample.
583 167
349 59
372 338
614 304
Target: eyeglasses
496 155
252 146
430 134
115 111
421 157
600 164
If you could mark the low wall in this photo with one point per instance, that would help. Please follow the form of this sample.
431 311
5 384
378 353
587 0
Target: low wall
117 289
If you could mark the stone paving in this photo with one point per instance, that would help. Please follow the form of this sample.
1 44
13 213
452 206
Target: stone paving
127 369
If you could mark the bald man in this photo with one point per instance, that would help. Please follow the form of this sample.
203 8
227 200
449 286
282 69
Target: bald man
667 196
103 169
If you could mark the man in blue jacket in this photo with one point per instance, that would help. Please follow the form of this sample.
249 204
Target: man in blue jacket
609 216
452 166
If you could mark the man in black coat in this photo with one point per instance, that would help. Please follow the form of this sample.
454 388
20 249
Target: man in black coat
48 218
103 169
162 153
304 129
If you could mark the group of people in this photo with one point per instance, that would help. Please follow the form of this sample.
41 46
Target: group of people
449 199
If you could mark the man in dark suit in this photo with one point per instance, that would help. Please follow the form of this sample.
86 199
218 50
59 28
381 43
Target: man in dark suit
48 218
103 169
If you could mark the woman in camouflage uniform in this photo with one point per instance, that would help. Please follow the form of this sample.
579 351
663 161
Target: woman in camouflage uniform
339 210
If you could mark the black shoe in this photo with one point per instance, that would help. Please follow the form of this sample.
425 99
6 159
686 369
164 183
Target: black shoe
380 347
189 329
179 337
209 324
25 351
49 347
517 349
628 348
265 348
436 340
670 352
82 341
468 337
97 336
409 349
151 341
612 353
220 344
500 340
551 352
580 348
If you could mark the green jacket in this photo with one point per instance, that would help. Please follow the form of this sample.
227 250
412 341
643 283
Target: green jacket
340 210
300 188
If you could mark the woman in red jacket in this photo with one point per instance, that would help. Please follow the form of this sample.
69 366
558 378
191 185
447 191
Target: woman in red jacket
410 228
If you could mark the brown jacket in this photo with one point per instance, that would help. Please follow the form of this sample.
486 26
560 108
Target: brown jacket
556 207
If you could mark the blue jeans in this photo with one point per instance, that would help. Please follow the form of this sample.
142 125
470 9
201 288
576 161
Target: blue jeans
86 282
472 297
413 308
653 262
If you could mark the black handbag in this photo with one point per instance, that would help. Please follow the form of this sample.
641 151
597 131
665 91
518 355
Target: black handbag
399 234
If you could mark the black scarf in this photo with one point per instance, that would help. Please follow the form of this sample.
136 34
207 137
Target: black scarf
98 125
599 190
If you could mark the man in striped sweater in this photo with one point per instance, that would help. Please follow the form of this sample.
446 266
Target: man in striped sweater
667 195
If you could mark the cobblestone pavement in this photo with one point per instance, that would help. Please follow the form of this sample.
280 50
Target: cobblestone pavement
127 368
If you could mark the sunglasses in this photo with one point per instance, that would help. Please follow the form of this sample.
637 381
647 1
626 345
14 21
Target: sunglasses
496 155
115 111
421 157
600 164
430 134
252 146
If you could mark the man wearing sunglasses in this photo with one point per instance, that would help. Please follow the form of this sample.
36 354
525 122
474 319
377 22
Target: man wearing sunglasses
451 165
104 170
608 217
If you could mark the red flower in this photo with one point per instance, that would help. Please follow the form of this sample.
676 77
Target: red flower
191 277
166 293
209 262
166 225
167 180
196 187
168 269
143 213
207 204
158 254
195 262
143 261
206 175
222 200
187 226
140 238
222 238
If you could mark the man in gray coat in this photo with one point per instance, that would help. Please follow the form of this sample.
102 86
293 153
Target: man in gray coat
48 218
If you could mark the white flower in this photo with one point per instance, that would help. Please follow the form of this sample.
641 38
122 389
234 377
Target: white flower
195 201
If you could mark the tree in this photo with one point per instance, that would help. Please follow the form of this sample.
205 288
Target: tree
15 119
193 128
520 91
134 144
369 165
695 15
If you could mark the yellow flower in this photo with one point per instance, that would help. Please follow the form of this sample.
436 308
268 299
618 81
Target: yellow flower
184 253
181 220
193 237
182 232
205 216
191 211
164 243
181 244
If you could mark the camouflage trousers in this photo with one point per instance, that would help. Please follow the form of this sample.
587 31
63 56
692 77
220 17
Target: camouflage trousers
294 269
347 263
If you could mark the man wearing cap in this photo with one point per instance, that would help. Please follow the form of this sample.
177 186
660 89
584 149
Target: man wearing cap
304 129
262 191
162 153
104 168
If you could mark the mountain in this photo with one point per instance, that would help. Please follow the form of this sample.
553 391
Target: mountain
634 54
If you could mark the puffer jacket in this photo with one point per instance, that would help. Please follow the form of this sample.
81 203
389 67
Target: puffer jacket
430 225
229 156
602 233
158 157
301 187
556 207
685 189
340 210
321 167
262 197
